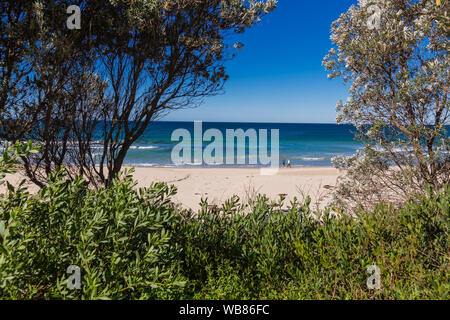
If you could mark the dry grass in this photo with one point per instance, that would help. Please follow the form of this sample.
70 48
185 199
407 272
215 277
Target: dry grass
320 195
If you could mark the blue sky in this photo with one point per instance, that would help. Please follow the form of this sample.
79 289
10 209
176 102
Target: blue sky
278 76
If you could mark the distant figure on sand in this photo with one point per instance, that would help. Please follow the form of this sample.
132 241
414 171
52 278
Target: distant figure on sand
283 162
289 163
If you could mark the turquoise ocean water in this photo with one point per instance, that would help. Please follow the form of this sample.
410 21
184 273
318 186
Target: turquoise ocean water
303 144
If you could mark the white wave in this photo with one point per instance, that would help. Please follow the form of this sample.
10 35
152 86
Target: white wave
312 159
143 147
143 164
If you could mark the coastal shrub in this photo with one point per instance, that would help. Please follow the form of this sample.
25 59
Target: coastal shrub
269 253
397 99
258 246
118 237
135 244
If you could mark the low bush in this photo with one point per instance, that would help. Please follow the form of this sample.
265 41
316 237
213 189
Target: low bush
273 254
135 244
118 237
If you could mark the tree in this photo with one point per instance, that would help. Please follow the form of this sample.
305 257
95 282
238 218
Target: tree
46 81
16 34
165 55
398 101
131 62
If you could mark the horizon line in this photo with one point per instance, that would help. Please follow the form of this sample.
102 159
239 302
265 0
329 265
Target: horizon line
215 121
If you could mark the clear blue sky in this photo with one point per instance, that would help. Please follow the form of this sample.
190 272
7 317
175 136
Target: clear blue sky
278 76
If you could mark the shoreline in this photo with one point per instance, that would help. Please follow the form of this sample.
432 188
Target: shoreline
159 166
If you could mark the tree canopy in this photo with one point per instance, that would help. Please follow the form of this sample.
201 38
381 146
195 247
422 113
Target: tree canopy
398 98
129 63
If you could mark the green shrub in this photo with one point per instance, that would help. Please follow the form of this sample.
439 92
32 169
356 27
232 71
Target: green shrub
271 254
119 237
135 244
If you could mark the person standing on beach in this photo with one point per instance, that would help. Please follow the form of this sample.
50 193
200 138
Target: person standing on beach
289 163
283 162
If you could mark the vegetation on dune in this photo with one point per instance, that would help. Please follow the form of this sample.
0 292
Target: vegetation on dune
135 244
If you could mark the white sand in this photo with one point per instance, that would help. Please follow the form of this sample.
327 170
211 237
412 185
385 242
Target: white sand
219 184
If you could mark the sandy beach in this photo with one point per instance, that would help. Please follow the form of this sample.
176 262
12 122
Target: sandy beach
219 184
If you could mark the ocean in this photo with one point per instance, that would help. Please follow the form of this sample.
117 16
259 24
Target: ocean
302 144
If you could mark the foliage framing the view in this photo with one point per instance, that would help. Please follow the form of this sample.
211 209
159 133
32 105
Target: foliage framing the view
129 64
135 244
399 75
